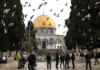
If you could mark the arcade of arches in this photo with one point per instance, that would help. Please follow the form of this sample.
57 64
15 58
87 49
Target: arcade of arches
50 42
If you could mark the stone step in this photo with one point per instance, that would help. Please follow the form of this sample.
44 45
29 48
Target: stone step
46 51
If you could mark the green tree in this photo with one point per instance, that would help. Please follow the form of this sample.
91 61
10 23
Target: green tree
83 23
30 32
68 43
36 46
11 25
2 34
26 47
16 31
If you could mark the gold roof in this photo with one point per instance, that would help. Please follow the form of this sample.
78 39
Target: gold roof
42 21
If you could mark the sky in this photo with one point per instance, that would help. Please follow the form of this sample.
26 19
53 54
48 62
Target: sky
55 5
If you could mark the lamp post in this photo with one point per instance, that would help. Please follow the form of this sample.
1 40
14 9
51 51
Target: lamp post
30 26
58 42
38 42
29 34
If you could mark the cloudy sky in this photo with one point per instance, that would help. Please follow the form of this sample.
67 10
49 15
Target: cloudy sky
55 5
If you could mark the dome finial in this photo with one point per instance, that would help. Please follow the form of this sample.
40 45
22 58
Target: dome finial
43 11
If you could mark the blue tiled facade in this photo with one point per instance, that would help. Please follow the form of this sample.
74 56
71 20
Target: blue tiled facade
45 31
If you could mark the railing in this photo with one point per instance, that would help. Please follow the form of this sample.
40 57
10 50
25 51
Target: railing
63 49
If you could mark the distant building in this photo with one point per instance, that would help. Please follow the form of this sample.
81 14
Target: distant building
45 35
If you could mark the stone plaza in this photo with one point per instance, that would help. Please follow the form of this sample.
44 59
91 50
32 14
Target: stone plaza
79 65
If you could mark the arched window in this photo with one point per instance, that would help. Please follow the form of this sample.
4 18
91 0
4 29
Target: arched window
51 41
45 40
60 47
58 41
57 46
38 40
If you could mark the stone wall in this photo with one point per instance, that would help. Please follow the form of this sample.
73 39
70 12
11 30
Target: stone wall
10 59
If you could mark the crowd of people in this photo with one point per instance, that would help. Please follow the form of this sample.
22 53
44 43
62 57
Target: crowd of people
31 61
21 60
65 59
62 60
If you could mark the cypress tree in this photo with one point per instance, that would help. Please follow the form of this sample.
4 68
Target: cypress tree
84 23
32 35
13 24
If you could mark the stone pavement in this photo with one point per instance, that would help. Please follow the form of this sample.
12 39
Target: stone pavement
80 65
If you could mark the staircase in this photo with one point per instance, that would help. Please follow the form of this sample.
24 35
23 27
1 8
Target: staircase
46 51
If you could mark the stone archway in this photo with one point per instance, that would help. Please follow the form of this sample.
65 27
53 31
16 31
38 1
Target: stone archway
44 43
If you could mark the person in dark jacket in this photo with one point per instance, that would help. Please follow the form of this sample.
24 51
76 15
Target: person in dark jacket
48 57
67 60
31 60
57 59
61 60
88 60
73 58
96 56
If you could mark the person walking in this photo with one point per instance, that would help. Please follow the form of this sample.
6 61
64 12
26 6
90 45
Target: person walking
48 58
61 60
24 60
73 58
31 60
88 60
96 56
67 60
20 62
57 59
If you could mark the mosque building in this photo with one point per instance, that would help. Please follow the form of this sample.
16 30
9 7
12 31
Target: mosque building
45 35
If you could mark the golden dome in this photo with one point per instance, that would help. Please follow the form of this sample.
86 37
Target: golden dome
44 21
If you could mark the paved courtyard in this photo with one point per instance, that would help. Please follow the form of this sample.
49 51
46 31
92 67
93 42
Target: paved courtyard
80 65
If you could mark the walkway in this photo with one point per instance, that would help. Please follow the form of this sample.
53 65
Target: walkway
80 65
